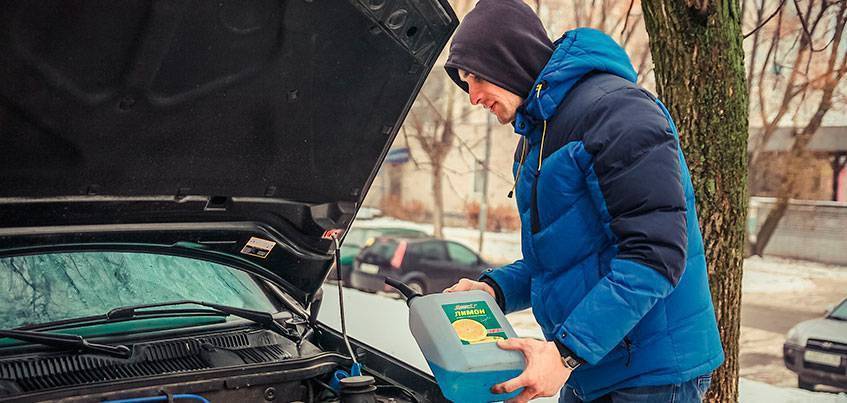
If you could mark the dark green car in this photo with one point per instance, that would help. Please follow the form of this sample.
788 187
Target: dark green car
360 237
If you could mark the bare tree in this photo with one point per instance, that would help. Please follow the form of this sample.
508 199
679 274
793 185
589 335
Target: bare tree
805 40
431 123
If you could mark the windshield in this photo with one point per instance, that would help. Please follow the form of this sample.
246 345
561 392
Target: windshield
45 288
840 312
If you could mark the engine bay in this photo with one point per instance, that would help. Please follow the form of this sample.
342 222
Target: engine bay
245 365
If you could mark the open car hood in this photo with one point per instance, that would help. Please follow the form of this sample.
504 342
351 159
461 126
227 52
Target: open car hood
243 132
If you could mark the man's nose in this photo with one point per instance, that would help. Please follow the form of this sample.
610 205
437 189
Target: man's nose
474 94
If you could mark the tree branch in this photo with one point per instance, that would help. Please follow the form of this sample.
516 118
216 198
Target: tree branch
767 20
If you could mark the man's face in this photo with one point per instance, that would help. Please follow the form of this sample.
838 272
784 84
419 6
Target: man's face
496 100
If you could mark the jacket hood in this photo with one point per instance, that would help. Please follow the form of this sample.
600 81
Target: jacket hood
578 53
503 42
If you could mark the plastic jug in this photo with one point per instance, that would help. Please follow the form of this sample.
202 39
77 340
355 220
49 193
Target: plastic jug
457 333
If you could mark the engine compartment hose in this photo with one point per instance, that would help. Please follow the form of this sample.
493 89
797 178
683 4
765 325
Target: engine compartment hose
163 398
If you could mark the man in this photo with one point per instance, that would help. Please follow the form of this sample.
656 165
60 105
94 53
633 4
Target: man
613 263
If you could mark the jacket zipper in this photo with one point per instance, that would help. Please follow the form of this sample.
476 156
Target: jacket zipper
628 345
535 222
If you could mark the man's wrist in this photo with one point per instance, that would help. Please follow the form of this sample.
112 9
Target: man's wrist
567 353
498 292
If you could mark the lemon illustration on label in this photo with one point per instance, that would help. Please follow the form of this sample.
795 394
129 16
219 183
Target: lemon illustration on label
474 322
470 330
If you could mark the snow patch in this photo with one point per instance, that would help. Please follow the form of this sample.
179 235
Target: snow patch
777 275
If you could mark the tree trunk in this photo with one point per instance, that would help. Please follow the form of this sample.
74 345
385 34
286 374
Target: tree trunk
438 200
700 75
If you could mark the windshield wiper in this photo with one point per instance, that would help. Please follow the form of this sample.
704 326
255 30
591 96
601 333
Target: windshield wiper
68 341
265 319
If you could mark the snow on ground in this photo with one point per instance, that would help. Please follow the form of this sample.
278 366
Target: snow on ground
756 392
776 275
765 281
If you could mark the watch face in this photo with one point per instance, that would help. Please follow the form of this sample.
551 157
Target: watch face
570 362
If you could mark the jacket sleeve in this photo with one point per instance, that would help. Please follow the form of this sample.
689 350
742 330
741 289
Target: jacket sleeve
514 282
636 182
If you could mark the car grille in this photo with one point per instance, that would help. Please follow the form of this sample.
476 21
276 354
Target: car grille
827 347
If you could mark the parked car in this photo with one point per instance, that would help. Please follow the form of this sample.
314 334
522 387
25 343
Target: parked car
360 237
172 179
817 349
424 264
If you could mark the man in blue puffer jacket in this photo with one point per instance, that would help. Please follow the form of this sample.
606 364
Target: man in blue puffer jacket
613 264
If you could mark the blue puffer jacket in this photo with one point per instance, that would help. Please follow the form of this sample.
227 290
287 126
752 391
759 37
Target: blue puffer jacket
613 262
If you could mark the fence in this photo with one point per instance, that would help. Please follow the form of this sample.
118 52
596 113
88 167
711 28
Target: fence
810 230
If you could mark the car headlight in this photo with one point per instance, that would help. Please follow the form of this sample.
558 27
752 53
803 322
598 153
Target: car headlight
793 336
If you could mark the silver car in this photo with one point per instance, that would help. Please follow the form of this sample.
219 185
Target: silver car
817 349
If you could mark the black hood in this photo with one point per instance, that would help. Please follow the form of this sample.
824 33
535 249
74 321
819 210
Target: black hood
503 42
198 125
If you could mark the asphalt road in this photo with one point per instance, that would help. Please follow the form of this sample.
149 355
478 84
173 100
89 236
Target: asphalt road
773 319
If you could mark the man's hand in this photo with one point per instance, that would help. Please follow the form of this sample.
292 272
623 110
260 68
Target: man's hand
467 285
545 374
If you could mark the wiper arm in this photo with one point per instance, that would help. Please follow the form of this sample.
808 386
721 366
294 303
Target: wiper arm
265 319
67 341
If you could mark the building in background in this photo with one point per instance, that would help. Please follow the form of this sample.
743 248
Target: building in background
823 176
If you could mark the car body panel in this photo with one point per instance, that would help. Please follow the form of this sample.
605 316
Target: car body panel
240 133
817 351
210 113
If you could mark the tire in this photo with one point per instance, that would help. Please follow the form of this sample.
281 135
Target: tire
418 286
805 385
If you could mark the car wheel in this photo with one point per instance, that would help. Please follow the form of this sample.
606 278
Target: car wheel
805 385
417 286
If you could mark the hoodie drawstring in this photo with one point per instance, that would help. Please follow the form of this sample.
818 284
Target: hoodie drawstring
523 149
543 131
520 167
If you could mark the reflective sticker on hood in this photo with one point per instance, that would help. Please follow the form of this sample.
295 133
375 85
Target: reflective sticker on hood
258 247
332 233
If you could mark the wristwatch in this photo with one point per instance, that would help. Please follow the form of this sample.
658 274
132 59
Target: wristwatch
569 359
571 363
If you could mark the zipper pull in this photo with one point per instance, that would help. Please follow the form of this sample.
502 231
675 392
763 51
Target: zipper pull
538 90
628 345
